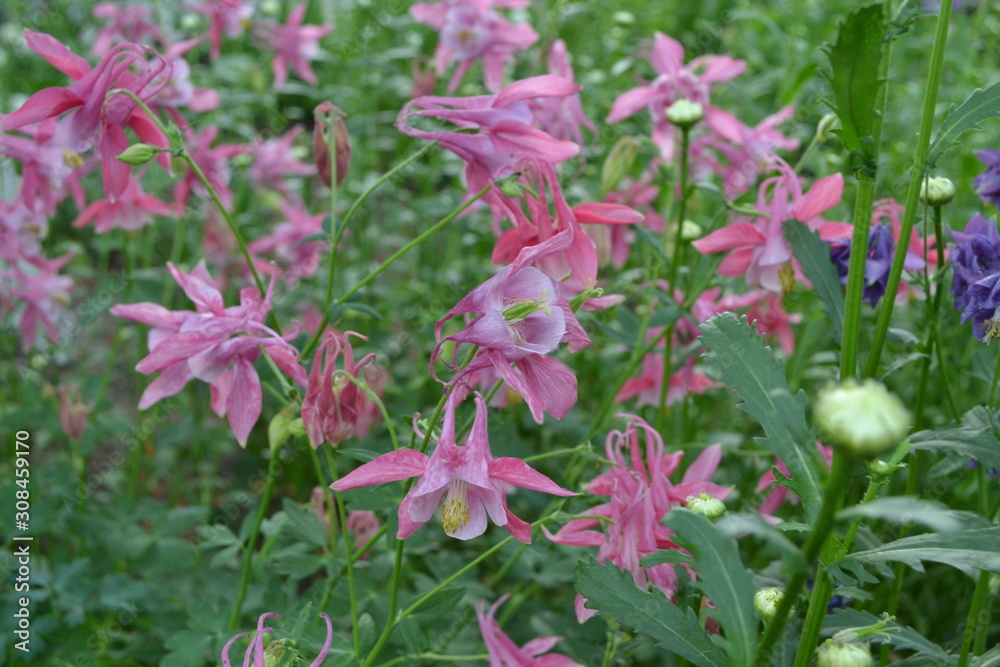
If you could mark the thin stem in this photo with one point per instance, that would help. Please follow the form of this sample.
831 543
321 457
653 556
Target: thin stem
854 296
921 152
342 516
678 254
265 501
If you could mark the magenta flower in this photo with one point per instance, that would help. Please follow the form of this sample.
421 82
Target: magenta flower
216 344
335 410
212 161
274 159
133 210
46 164
561 117
256 650
132 23
675 81
285 244
293 43
640 494
97 118
229 17
471 30
35 282
521 318
472 479
505 653
761 251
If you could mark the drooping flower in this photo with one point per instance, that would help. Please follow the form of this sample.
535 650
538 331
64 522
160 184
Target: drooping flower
131 23
976 282
294 44
256 651
472 479
520 319
335 410
987 184
73 412
132 210
881 248
640 494
505 653
36 283
471 30
326 137
216 344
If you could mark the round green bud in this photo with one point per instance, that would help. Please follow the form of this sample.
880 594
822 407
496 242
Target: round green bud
706 505
691 231
685 113
861 419
843 654
766 602
138 154
937 191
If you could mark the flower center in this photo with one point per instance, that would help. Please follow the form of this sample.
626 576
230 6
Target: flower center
72 159
787 276
521 308
455 510
992 327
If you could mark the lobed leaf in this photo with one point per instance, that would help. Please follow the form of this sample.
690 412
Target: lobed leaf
970 550
854 74
979 106
814 256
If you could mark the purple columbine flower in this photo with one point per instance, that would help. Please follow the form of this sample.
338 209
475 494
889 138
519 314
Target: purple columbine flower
987 184
881 247
975 286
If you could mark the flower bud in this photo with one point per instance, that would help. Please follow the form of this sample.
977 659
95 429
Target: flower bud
937 191
691 231
706 505
330 118
826 124
510 188
618 163
138 154
862 419
766 602
685 113
835 653
281 426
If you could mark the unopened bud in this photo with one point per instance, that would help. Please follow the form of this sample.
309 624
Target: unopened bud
937 191
826 124
331 133
138 154
281 426
706 505
691 231
619 163
834 653
863 419
510 188
685 113
766 602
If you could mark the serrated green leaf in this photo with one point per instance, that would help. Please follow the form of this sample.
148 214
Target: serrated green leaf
976 439
907 13
989 659
814 256
855 63
304 524
736 525
744 363
664 556
979 106
901 636
722 577
908 509
968 551
614 593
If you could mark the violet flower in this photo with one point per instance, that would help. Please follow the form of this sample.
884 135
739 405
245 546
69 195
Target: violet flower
975 256
256 650
987 184
881 249
472 479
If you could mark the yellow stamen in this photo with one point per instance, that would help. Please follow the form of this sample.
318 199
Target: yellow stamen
72 159
455 509
787 276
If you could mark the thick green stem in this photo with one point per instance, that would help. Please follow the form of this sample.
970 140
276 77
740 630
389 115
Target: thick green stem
265 501
919 168
833 499
854 297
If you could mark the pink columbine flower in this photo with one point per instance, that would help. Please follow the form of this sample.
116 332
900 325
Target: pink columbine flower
471 30
336 409
179 91
285 244
216 344
229 17
561 117
46 164
212 161
133 210
294 43
363 525
761 251
472 479
640 494
97 118
505 653
274 160
521 318
256 650
35 282
133 23
73 412
675 81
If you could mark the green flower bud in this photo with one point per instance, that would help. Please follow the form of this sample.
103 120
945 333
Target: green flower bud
705 504
685 113
510 188
297 428
862 419
691 231
619 163
281 426
138 154
937 191
766 602
835 653
826 124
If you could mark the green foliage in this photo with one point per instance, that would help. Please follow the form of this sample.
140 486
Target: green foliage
901 637
979 106
969 550
814 256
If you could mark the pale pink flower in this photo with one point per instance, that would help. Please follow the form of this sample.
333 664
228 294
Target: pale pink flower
472 479
470 30
274 160
256 649
217 345
46 162
285 244
21 230
131 23
212 161
505 653
761 252
561 117
179 90
334 410
228 17
363 525
132 210
35 282
294 44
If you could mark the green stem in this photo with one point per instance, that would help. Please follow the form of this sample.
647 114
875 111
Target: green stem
854 297
678 254
342 516
265 501
919 168
833 498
